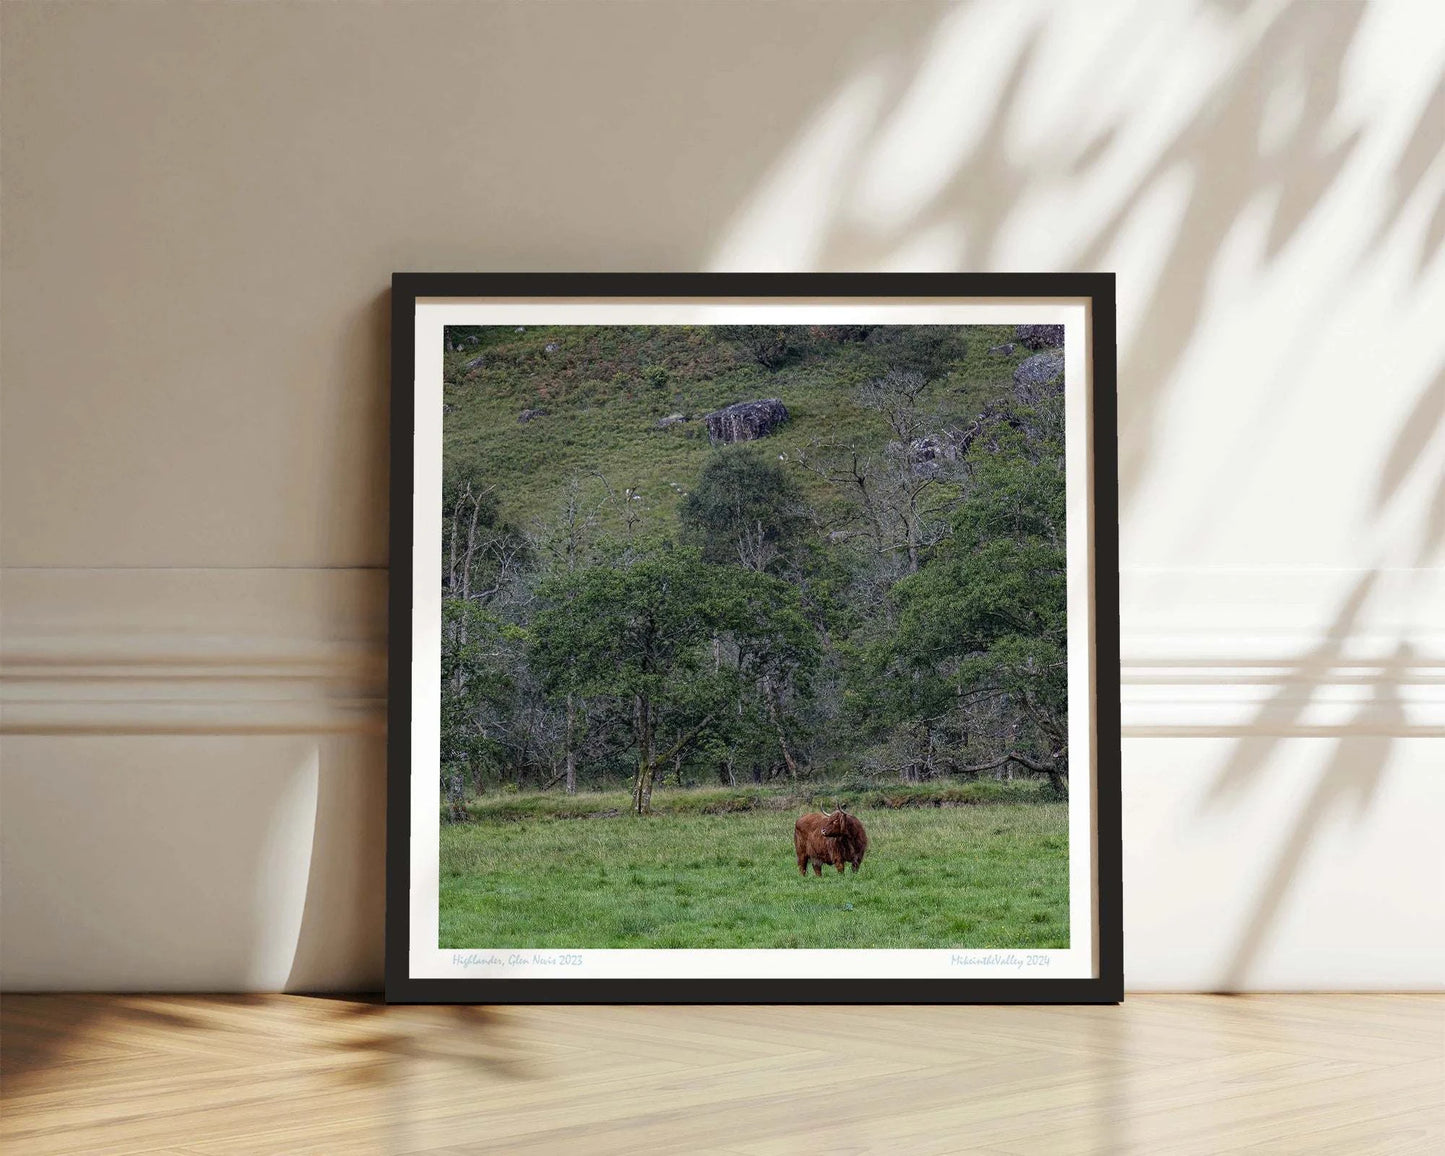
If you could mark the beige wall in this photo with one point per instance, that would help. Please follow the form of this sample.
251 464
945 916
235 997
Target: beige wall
202 205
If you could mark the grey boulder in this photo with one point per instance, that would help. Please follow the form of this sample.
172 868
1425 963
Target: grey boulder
1040 369
746 421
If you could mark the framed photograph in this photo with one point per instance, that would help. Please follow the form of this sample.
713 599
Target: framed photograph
754 639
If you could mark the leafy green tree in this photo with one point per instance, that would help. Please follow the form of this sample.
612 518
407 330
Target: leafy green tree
771 649
744 509
652 635
984 621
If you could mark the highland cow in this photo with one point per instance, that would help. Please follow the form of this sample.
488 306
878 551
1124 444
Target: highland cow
836 838
852 838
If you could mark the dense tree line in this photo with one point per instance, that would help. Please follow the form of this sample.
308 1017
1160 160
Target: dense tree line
883 606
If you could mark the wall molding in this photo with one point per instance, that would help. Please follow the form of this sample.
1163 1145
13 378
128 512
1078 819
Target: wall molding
130 651
1285 651
1206 652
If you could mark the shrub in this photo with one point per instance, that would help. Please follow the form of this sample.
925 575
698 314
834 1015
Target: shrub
768 345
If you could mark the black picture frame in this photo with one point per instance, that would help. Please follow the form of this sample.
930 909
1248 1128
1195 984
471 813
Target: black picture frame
1096 291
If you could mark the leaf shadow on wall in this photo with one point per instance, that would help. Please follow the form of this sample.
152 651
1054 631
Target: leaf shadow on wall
1272 132
1232 149
1363 744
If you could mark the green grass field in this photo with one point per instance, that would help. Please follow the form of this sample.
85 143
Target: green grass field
984 876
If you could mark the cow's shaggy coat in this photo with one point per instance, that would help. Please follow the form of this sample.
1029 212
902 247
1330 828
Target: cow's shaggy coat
837 839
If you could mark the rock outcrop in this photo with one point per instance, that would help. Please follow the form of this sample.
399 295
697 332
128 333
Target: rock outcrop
746 421
938 453
929 455
1039 370
1040 336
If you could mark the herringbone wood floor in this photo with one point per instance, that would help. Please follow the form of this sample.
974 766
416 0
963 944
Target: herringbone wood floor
212 1076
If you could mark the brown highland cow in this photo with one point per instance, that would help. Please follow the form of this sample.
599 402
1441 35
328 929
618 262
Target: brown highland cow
836 838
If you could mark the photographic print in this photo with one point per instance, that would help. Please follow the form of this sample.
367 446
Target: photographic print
752 645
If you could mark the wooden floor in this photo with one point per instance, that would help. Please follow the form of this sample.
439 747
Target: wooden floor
208 1076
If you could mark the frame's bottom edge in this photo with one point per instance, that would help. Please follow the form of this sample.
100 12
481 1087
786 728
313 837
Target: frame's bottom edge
681 992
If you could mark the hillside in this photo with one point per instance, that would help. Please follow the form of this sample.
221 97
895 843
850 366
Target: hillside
603 391
871 589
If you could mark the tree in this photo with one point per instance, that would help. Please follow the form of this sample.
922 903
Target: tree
480 553
900 493
479 698
486 720
765 650
744 509
568 542
927 350
651 635
985 619
768 345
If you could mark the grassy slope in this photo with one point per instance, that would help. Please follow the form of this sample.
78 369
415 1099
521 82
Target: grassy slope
975 877
602 410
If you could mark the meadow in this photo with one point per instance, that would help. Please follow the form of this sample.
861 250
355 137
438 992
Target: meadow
993 875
